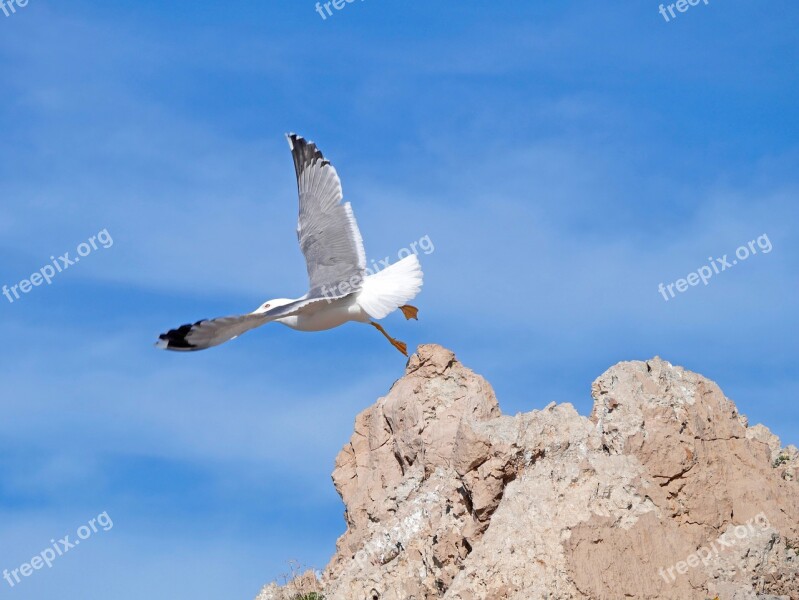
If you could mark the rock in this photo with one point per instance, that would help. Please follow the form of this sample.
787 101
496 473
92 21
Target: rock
303 586
663 492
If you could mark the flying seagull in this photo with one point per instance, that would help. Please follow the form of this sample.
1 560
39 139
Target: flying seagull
340 287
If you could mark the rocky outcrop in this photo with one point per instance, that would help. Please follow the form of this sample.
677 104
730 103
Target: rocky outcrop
663 492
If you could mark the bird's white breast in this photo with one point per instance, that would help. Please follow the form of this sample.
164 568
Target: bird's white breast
326 315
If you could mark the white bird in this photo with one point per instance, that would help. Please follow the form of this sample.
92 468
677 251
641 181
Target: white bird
341 289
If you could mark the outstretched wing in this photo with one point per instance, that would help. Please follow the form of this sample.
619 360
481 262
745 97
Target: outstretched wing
213 332
210 332
328 234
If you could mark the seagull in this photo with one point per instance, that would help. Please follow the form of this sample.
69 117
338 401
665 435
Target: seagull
341 288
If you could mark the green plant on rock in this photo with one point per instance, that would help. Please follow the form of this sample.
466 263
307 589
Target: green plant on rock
781 460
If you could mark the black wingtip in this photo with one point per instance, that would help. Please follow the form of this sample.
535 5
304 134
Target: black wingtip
176 339
304 152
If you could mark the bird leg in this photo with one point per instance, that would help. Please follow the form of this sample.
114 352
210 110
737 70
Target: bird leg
401 346
410 312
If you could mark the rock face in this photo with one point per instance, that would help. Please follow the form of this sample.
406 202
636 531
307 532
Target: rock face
663 492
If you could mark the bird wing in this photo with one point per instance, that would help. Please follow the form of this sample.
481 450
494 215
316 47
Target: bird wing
213 332
209 332
327 231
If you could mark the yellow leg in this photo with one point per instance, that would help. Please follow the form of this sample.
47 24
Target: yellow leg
401 346
410 312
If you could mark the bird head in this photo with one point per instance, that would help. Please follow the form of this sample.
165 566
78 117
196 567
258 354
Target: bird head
272 304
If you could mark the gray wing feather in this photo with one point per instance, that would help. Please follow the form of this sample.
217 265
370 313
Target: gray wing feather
207 333
213 332
326 229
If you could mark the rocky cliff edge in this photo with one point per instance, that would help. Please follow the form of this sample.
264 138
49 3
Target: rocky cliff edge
663 492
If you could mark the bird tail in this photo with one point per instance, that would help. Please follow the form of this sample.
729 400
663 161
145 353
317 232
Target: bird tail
387 290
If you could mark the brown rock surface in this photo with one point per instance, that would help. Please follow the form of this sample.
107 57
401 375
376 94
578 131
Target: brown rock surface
663 492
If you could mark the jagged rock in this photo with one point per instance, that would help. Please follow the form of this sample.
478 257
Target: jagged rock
663 492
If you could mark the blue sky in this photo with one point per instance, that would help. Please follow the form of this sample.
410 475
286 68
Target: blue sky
564 160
